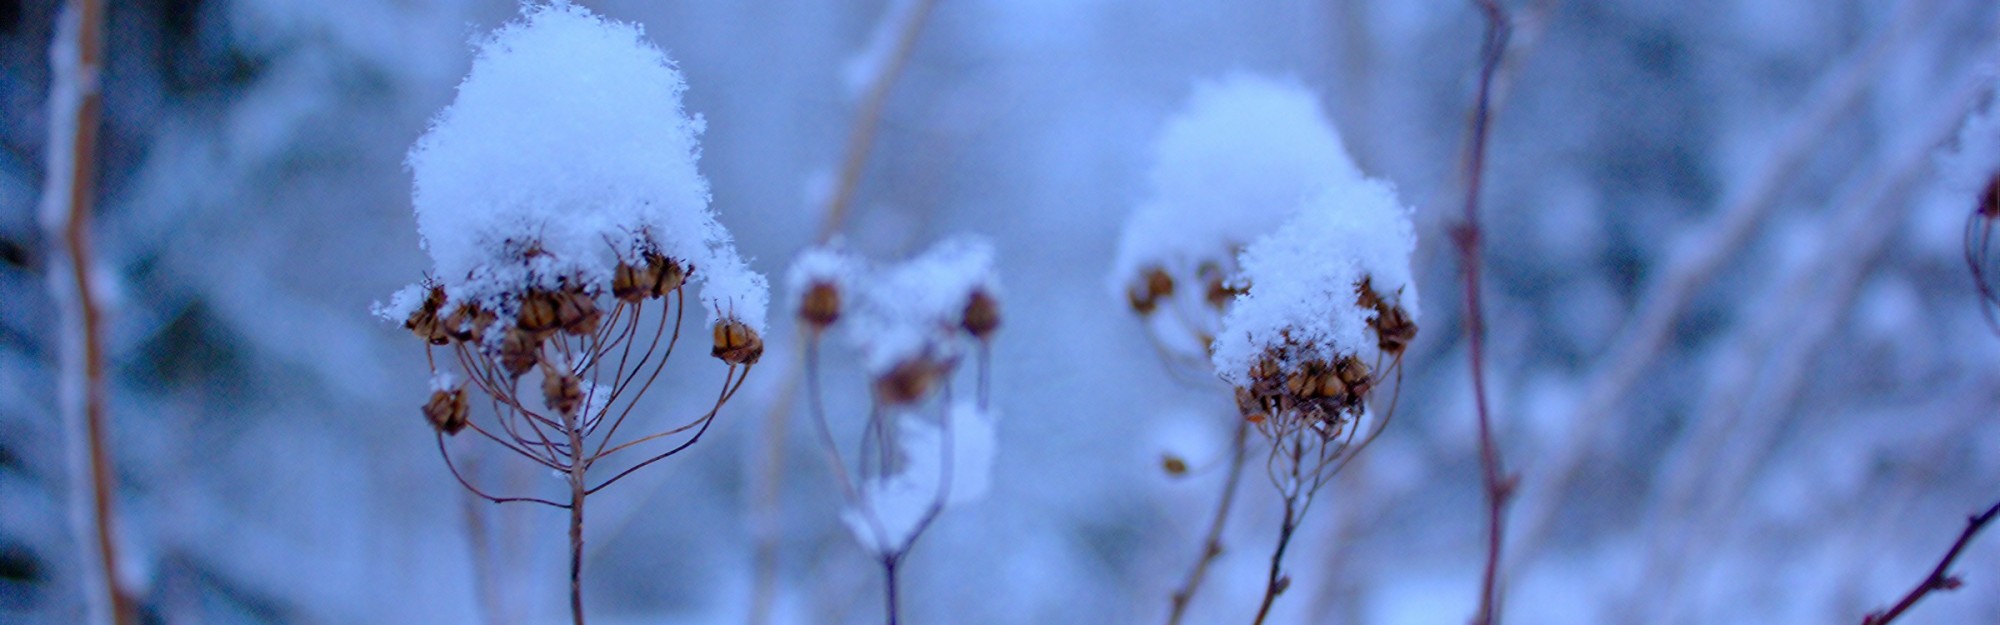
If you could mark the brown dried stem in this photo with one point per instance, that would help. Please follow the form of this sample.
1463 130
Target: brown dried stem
1499 488
1211 544
1940 577
81 74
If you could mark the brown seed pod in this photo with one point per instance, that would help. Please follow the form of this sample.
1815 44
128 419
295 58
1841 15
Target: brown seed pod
447 411
908 382
1218 292
736 343
821 305
577 312
468 323
668 274
1393 329
630 284
1153 285
425 323
518 351
538 312
1355 375
1173 465
982 315
561 390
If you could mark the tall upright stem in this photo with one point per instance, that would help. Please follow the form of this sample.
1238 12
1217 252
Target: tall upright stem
576 496
1498 487
74 110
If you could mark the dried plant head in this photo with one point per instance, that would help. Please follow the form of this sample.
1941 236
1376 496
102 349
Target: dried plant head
982 315
736 343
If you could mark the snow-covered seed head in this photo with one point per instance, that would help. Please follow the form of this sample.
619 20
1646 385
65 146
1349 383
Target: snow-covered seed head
1219 290
576 311
447 410
468 323
982 315
820 307
668 274
538 312
736 343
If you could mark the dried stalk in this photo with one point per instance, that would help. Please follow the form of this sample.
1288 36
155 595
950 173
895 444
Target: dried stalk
1940 577
1211 544
1499 488
75 104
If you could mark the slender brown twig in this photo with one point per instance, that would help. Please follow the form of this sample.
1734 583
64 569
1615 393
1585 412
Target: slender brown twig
1498 487
75 111
1940 577
1211 544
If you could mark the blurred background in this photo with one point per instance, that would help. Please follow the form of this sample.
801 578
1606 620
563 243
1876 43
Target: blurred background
1737 358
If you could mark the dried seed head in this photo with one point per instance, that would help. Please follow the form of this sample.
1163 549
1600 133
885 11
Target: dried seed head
631 284
1153 285
821 305
1393 329
468 323
668 274
538 312
518 351
1218 292
576 312
1173 465
908 382
425 323
561 390
982 315
736 343
447 410
1355 375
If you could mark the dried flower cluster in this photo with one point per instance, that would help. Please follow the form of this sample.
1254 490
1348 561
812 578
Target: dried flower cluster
921 447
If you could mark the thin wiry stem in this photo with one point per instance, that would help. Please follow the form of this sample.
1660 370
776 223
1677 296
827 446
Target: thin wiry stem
1940 577
1211 544
1498 487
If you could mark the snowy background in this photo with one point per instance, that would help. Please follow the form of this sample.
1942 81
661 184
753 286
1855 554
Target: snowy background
1737 357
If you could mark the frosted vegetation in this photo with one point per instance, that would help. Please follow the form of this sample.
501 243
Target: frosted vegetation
1734 356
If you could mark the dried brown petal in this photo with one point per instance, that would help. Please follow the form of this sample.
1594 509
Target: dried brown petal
736 343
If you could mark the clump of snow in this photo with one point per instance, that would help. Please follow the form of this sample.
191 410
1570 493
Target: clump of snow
1227 169
914 309
565 151
1303 277
443 380
402 304
890 510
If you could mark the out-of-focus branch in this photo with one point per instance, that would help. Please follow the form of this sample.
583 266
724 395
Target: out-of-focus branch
1711 469
860 143
1693 265
1498 487
75 59
1211 544
1940 577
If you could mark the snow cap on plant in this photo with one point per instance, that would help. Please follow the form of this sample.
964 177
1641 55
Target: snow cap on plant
1227 169
890 512
564 170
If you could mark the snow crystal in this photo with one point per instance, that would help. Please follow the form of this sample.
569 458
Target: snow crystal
899 502
566 150
1227 169
404 303
912 310
444 380
1302 279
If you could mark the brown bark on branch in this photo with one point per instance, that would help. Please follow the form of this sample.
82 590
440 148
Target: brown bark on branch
1940 577
1499 487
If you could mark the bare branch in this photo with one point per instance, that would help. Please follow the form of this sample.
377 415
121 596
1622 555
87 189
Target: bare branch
1940 577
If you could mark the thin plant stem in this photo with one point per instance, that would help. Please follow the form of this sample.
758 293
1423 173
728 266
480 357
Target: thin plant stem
1498 487
1276 583
1940 577
889 582
578 463
1211 544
